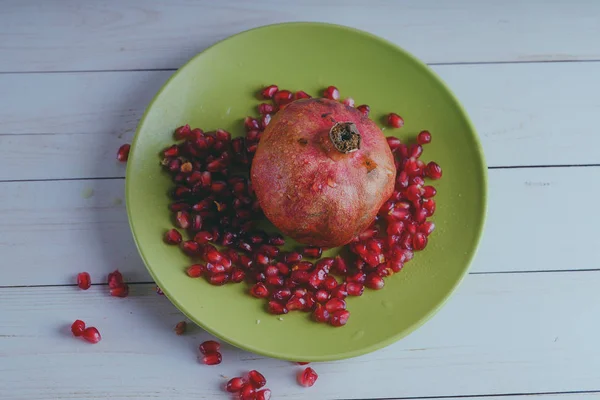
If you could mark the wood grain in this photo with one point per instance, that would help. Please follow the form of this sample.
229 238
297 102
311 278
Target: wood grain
130 34
513 333
526 114
537 221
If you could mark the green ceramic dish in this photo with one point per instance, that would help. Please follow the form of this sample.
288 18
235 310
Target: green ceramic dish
216 89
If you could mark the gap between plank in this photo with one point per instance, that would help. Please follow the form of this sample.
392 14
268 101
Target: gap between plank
122 177
470 396
85 71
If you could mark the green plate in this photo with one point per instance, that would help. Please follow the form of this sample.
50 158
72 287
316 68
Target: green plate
217 88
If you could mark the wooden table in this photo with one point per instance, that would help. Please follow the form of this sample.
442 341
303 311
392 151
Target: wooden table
75 78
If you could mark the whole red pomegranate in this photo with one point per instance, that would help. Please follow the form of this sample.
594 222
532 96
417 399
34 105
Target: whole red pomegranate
321 172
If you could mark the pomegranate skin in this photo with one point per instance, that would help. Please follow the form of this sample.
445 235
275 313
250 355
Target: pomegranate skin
310 190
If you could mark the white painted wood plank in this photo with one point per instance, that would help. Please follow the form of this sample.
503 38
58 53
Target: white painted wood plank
513 333
537 220
119 34
526 114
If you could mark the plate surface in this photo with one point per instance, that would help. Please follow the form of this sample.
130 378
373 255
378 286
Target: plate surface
217 89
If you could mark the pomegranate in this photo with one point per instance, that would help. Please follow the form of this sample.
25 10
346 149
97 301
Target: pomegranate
321 172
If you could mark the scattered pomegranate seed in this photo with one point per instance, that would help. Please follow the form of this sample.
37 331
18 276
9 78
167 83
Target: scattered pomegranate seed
265 108
247 392
264 394
339 318
349 101
123 153
434 171
180 328
395 121
183 132
78 327
321 315
312 252
335 304
91 335
235 384
283 97
276 308
374 282
257 379
172 237
259 291
331 93
424 137
115 279
302 95
84 281
120 291
210 346
365 109
269 92
212 359
355 289
308 377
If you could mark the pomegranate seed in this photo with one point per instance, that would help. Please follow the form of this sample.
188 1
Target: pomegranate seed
274 281
270 251
276 308
296 303
335 304
269 92
203 237
301 95
293 257
393 142
264 121
256 379
190 247
120 291
364 109
415 151
312 252
235 385
276 240
265 108
196 223
429 192
331 93
183 132
115 279
281 295
237 275
195 270
359 277
424 137
180 328
264 394
329 283
262 259
172 237
427 228
219 279
91 335
429 206
259 291
374 282
339 318
282 97
321 314
322 296
123 153
434 171
355 289
419 241
172 151
340 292
251 124
395 121
84 281
247 392
209 346
78 327
339 265
308 377
349 101
212 359
182 219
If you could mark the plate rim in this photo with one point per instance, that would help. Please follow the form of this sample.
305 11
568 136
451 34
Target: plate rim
379 344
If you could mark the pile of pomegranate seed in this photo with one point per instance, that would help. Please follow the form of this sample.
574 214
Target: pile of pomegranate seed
248 387
214 205
90 334
84 281
116 285
210 352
